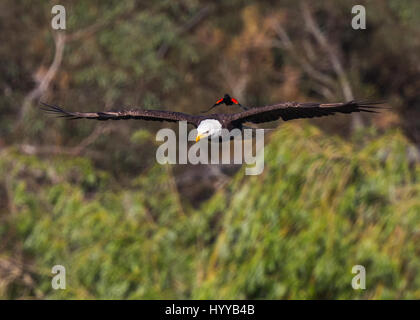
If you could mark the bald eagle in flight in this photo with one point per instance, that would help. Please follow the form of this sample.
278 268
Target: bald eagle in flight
211 125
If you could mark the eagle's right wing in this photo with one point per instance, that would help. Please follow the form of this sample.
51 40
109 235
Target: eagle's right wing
296 110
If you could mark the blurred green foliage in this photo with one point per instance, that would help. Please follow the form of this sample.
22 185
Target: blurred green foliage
320 207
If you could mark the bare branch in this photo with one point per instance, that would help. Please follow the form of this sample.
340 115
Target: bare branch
202 14
31 149
325 92
72 151
287 44
86 32
99 131
331 52
99 25
44 82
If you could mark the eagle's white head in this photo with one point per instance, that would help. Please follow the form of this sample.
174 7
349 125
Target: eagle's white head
208 128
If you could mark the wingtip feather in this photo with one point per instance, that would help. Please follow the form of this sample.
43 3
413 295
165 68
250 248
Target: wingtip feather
55 110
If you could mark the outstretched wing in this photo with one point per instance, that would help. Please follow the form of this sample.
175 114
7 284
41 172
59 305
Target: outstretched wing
148 115
220 101
295 110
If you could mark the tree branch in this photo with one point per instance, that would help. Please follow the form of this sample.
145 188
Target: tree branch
190 25
285 43
72 151
323 42
44 82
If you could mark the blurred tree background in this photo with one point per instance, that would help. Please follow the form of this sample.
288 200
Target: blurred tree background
335 192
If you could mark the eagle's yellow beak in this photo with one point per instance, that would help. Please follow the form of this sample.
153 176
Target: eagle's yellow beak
199 137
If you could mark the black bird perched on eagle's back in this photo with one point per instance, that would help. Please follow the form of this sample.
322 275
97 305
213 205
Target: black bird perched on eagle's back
212 125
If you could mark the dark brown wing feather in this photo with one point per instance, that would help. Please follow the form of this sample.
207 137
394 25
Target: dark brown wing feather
148 115
295 110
